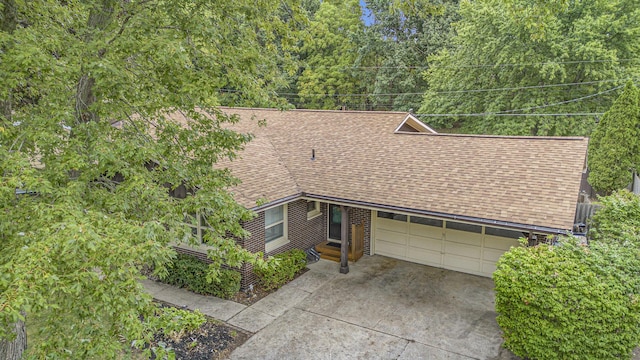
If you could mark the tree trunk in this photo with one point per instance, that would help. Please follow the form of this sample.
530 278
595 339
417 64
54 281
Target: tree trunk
99 19
12 350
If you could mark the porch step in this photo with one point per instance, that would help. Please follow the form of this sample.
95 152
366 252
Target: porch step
330 252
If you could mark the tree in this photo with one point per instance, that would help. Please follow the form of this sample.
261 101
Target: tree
614 146
504 61
569 301
618 220
89 152
394 49
328 53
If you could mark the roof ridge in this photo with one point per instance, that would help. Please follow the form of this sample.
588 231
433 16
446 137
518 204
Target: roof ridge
488 136
316 110
277 153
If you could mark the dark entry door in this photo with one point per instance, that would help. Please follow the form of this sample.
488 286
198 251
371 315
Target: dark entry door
335 222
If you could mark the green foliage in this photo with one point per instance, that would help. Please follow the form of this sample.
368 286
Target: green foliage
328 51
175 322
618 220
85 91
614 146
498 48
394 49
569 301
282 268
190 273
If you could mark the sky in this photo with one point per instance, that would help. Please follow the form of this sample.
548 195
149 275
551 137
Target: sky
367 17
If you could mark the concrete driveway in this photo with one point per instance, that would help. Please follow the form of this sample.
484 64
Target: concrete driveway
383 309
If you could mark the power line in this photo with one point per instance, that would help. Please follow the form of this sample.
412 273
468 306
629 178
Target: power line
444 91
466 66
513 112
496 114
565 102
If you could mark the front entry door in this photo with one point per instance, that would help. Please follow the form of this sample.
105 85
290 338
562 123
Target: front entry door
335 222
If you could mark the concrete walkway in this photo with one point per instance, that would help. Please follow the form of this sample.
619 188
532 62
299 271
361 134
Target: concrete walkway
382 309
249 318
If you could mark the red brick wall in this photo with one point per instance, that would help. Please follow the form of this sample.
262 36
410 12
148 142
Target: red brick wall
302 234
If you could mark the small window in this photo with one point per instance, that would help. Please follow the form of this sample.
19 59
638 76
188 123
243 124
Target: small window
313 209
274 223
426 221
464 227
512 234
198 225
392 216
275 227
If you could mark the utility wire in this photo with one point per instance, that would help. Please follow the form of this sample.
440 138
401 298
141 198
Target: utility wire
497 114
445 91
513 112
467 66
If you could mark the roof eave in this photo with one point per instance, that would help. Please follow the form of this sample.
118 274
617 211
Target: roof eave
471 219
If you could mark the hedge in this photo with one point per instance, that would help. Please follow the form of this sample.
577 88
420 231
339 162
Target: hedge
281 268
190 273
569 301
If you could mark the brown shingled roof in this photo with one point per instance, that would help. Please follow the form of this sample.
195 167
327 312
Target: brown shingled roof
358 157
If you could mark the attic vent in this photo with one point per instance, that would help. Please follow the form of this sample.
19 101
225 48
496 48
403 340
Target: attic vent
412 125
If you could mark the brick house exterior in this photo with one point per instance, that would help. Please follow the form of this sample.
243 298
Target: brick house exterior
442 200
302 233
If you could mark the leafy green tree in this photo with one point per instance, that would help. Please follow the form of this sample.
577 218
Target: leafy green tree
394 49
618 220
88 155
327 53
569 301
513 65
614 146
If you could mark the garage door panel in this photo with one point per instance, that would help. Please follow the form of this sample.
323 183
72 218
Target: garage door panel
391 236
425 231
500 243
492 255
488 268
462 250
391 249
426 257
463 237
392 225
425 243
462 263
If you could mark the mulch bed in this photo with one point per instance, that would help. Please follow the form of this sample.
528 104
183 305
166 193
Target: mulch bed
213 340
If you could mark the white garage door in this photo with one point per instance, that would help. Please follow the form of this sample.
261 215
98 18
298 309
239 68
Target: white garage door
451 245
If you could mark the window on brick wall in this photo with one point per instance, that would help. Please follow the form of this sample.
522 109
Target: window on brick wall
198 225
275 227
313 209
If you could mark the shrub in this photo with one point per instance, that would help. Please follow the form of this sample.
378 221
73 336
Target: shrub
191 273
281 268
618 220
569 301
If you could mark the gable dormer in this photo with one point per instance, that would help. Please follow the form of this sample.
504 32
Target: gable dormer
411 124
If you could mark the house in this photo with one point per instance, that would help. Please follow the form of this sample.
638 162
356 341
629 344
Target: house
446 200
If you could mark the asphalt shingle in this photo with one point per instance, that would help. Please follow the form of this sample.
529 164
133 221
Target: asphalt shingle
359 157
